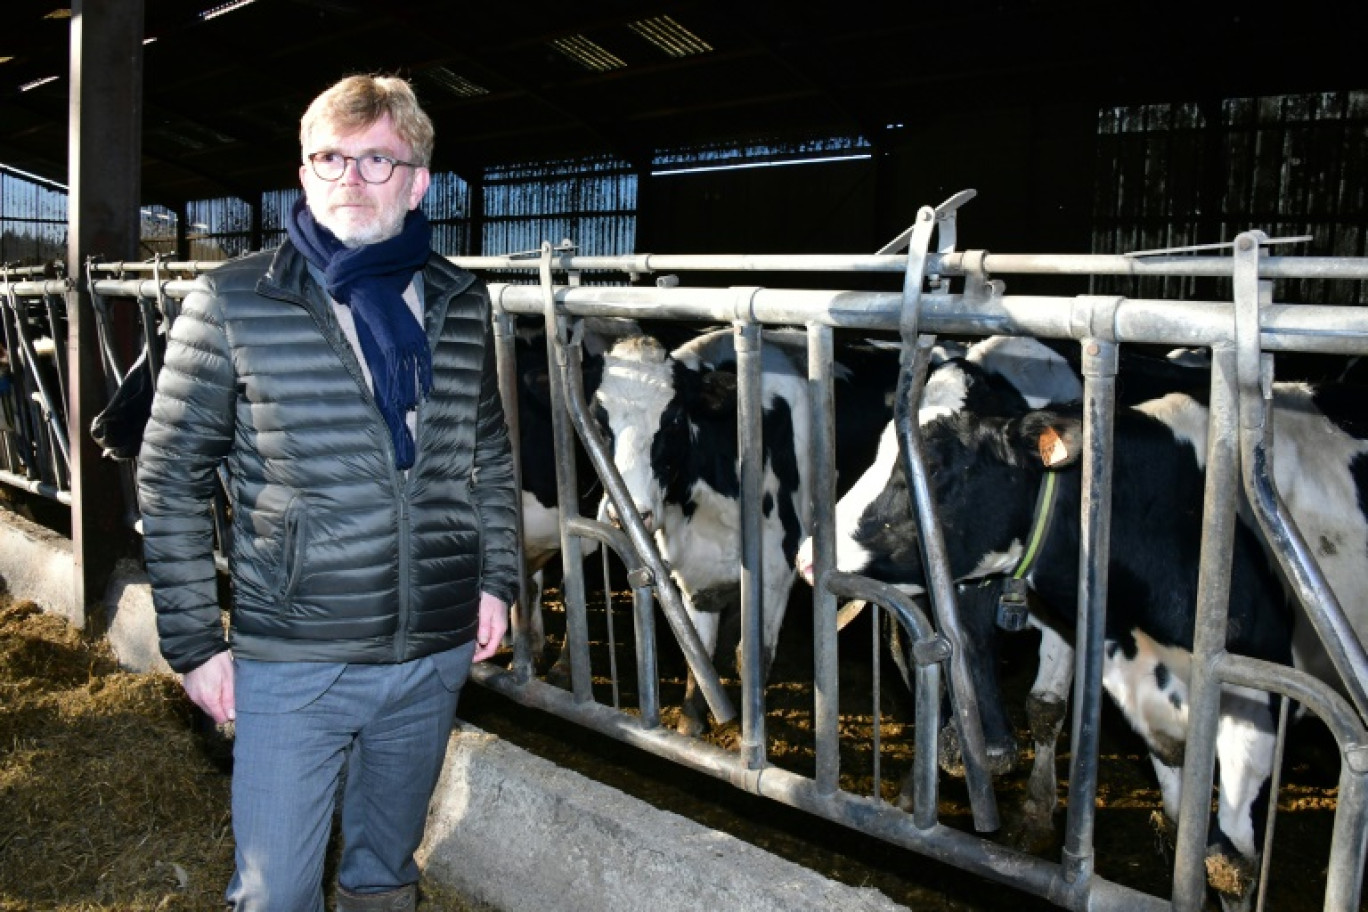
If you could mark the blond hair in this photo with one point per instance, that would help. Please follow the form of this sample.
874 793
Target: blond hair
358 102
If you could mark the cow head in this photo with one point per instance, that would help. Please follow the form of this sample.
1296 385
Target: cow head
876 529
651 408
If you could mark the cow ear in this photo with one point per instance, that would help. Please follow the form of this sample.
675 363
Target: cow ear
719 391
1056 441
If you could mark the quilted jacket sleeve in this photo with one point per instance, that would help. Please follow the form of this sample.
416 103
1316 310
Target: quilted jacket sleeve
495 489
187 437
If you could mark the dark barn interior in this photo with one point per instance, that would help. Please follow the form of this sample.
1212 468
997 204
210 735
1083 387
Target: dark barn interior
1001 97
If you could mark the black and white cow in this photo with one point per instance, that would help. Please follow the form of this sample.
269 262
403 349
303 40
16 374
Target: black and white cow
1321 461
670 420
1017 372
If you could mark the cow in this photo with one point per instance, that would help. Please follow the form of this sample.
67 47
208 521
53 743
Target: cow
1017 371
669 418
976 458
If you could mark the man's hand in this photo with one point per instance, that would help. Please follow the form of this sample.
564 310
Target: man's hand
211 687
493 625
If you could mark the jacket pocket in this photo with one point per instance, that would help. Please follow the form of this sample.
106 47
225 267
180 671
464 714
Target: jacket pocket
294 542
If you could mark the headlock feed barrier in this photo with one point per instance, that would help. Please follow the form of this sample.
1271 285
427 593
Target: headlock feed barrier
948 292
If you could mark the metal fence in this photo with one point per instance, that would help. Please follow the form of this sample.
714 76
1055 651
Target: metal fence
1239 333
944 291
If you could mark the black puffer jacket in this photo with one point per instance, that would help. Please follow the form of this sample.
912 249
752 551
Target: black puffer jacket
337 555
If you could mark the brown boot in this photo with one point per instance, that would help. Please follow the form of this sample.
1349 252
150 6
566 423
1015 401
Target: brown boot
404 899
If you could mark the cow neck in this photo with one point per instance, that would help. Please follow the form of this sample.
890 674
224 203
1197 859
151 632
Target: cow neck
1046 498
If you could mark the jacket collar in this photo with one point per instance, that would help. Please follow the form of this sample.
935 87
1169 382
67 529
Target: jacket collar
288 277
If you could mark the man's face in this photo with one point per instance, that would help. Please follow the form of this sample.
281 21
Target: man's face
357 212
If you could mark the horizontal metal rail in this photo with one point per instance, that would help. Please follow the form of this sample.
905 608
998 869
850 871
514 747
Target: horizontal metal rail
1320 328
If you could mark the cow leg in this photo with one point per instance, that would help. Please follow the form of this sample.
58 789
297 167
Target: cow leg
694 710
1046 708
1149 683
1245 750
533 623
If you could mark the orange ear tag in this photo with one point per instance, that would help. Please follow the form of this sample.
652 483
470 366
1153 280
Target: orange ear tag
1052 448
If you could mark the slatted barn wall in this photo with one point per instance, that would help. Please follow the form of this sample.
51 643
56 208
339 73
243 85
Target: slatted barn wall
1172 175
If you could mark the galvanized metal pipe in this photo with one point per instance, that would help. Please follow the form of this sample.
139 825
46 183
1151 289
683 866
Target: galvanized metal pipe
643 606
41 488
940 585
930 650
507 366
826 721
1209 634
976 856
567 490
1300 327
1299 565
750 451
1094 555
948 264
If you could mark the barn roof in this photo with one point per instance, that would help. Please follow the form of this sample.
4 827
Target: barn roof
535 80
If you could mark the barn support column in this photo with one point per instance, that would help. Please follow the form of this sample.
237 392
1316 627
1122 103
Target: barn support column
104 175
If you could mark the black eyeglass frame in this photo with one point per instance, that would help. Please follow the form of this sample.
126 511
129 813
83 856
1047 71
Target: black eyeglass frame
312 158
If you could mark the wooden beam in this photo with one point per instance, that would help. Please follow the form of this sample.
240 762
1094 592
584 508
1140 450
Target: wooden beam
104 176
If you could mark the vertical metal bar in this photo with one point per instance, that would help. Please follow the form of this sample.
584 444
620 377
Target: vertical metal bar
567 491
1298 563
940 586
826 718
1099 404
1349 842
612 638
505 351
648 687
1266 863
914 362
876 698
750 450
1209 635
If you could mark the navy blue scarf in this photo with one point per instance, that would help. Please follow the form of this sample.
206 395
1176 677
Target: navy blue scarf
371 280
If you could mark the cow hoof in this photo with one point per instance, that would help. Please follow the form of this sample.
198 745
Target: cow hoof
1232 877
1165 830
1002 758
689 726
1030 831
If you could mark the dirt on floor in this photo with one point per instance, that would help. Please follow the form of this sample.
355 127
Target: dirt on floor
109 799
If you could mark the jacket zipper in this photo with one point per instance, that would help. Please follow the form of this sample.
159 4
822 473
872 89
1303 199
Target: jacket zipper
400 482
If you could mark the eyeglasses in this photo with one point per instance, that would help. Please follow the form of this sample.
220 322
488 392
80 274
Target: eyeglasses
374 169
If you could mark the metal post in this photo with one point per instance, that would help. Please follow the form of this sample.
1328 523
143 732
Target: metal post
1209 635
750 449
1099 407
826 719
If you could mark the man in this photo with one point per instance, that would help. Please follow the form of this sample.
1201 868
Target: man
347 382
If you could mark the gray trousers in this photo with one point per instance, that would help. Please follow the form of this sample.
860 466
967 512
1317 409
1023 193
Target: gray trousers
297 723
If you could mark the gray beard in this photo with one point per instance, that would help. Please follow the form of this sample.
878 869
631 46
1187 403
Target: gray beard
373 233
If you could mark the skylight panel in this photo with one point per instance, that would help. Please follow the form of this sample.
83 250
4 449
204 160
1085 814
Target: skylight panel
224 8
671 37
587 54
453 83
